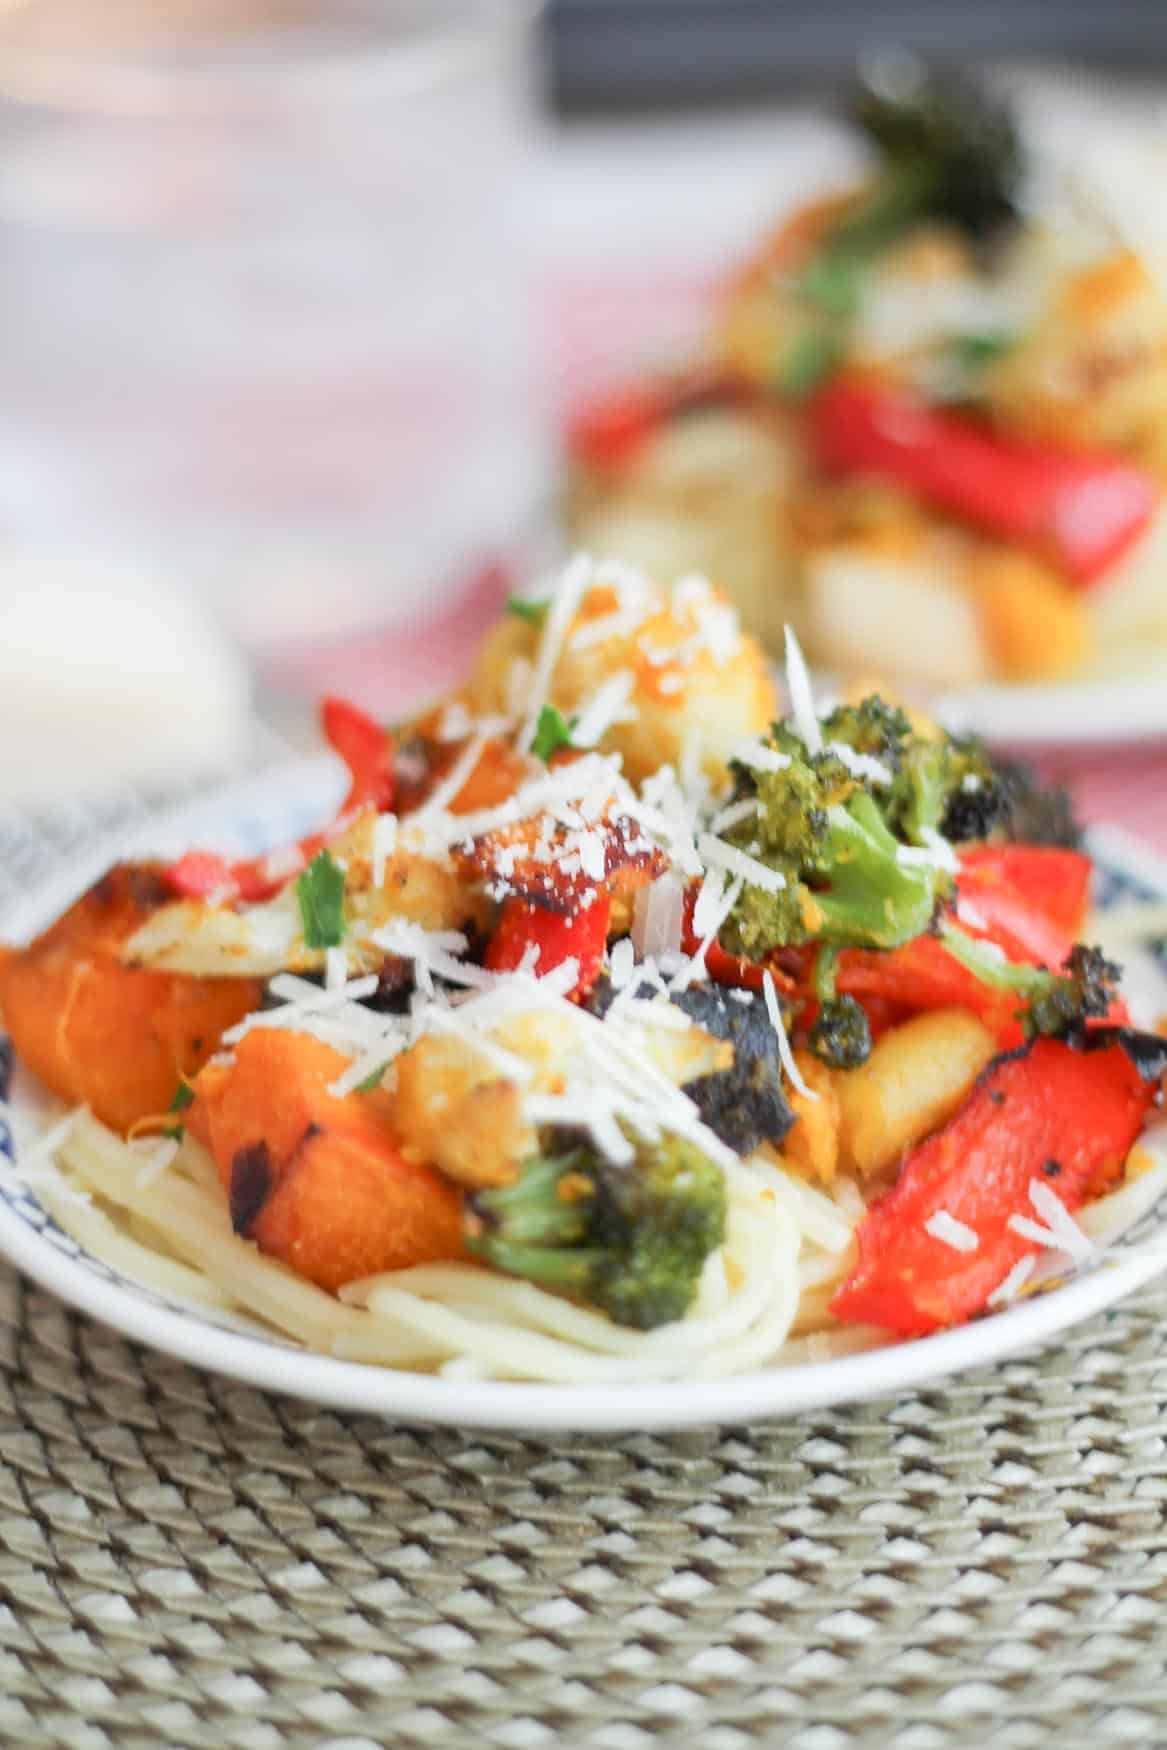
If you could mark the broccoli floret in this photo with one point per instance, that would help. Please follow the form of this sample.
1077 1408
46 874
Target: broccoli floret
630 1239
949 151
841 1034
1035 813
871 727
947 785
822 829
1057 1004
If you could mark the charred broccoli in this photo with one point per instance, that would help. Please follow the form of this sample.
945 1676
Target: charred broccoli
845 882
1035 813
853 831
946 786
1057 1004
841 1034
872 727
949 151
630 1239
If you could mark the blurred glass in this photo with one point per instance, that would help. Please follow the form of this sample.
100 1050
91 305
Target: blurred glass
261 307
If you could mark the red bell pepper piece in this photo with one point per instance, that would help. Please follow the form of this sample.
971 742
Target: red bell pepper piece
1043 881
924 975
368 752
1063 1117
1081 508
605 433
581 936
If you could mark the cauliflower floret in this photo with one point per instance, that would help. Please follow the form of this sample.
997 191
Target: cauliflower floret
1092 368
694 680
455 1107
708 491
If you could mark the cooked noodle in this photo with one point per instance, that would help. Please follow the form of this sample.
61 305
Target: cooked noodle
763 1298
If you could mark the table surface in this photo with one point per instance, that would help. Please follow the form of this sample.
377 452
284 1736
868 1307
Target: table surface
187 1561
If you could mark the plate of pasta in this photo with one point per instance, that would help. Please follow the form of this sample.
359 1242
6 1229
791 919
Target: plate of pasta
933 398
622 1045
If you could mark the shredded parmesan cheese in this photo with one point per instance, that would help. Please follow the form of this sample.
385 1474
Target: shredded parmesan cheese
801 695
719 855
559 617
786 1056
759 757
950 1232
861 765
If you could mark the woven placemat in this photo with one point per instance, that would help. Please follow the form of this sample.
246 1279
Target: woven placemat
184 1561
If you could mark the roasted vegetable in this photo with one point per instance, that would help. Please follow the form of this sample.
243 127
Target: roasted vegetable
317 1181
933 1249
949 151
111 1037
840 1034
1080 510
829 833
1057 1003
1038 813
630 1239
744 1105
544 939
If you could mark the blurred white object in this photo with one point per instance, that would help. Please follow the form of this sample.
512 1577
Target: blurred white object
260 314
107 678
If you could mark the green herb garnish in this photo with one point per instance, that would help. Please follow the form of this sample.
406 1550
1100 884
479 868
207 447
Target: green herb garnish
973 352
552 732
812 358
373 1079
183 1097
533 609
320 891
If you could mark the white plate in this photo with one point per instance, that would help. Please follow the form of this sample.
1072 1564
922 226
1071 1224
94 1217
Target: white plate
280 806
1085 714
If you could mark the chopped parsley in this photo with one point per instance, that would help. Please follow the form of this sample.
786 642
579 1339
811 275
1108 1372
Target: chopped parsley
833 284
183 1097
552 732
320 891
973 352
813 356
530 608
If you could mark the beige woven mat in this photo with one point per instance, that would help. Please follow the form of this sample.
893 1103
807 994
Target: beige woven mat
184 1561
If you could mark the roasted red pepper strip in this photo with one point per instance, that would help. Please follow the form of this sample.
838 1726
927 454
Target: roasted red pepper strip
604 433
1081 509
735 970
1041 881
368 752
581 936
923 975
1052 1114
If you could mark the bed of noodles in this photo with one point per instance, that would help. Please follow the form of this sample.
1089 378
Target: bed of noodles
159 1216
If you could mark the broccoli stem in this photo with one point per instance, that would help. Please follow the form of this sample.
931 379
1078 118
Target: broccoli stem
565 1267
1060 1001
989 967
901 190
533 1210
630 1238
873 898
